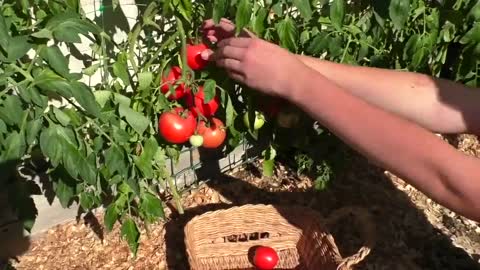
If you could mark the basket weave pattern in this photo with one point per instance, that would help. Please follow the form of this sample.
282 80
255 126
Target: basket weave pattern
224 239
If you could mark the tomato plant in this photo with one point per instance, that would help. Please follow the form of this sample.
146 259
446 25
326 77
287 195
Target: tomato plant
96 128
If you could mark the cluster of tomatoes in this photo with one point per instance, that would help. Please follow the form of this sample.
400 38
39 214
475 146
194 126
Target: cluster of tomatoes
197 122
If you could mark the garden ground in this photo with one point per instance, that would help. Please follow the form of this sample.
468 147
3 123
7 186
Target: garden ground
412 231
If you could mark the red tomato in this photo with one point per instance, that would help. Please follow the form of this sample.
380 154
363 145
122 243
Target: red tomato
265 258
196 104
214 134
174 74
194 58
176 126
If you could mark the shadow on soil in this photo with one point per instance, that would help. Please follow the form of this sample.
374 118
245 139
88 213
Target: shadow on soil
405 239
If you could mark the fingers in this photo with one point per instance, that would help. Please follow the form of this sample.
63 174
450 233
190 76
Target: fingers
236 76
231 65
229 52
241 42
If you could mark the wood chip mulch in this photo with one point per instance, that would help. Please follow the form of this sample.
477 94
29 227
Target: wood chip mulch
412 232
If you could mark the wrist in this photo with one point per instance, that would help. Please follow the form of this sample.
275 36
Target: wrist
296 90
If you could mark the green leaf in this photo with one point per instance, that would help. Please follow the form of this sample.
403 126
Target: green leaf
144 162
278 8
145 79
230 112
259 22
17 47
89 71
64 192
304 8
318 44
152 206
209 90
84 96
337 13
62 117
411 46
399 11
49 81
68 26
50 146
57 61
243 15
135 119
102 96
473 35
11 110
288 34
219 9
87 200
15 146
115 160
77 164
4 35
33 128
43 33
110 217
129 231
120 70
3 127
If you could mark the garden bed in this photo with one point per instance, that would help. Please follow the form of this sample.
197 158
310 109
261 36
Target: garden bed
412 231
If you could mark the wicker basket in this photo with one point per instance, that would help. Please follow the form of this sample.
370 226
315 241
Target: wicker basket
225 239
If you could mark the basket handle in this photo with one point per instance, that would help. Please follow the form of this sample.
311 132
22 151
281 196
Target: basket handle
367 231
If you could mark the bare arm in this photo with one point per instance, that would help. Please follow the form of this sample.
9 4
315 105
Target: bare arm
438 105
428 163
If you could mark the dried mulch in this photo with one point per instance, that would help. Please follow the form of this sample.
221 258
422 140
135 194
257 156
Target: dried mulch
412 232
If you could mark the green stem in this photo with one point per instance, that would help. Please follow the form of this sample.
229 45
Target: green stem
176 196
346 49
131 45
183 53
100 130
21 71
157 53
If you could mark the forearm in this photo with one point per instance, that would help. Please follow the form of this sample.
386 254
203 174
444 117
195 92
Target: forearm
437 105
394 143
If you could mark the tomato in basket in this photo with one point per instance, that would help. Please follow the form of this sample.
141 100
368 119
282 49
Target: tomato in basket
265 258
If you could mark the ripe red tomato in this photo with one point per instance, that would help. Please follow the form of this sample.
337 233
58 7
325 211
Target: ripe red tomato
265 258
177 125
174 74
196 104
214 134
194 58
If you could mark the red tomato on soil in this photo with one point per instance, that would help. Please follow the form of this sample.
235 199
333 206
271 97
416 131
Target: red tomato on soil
194 58
265 258
174 74
213 134
177 125
196 104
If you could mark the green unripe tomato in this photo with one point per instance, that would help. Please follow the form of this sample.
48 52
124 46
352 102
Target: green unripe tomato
196 140
258 123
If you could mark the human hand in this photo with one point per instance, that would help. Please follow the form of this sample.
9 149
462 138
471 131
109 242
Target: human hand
259 64
224 29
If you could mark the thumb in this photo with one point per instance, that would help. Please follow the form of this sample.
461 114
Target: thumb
207 55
